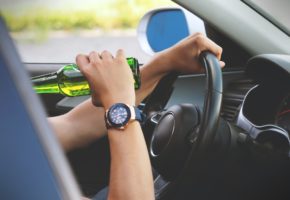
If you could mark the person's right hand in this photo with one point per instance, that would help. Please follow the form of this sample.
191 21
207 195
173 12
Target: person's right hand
110 78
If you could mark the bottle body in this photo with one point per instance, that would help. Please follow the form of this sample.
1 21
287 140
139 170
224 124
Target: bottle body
69 81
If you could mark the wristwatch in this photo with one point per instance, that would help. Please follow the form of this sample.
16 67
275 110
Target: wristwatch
120 114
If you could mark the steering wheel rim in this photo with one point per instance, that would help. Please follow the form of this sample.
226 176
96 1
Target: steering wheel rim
204 136
212 100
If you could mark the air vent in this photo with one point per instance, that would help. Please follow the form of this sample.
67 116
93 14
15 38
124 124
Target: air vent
233 97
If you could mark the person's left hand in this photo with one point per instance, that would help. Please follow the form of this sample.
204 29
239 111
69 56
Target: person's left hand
184 56
110 78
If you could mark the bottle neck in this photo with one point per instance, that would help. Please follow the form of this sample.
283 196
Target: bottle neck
47 83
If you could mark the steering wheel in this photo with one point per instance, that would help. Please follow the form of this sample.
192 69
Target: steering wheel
183 135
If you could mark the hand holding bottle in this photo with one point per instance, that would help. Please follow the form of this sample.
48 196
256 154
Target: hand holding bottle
69 81
110 78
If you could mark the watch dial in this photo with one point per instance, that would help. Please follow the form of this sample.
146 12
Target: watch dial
119 115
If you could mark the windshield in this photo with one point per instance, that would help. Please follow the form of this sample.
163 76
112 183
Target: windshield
275 11
56 31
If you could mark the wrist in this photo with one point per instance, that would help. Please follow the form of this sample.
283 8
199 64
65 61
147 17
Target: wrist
108 103
163 63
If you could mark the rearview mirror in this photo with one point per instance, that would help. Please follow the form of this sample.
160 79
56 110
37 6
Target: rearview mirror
161 28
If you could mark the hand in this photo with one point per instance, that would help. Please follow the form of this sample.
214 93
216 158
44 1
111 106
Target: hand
110 79
184 56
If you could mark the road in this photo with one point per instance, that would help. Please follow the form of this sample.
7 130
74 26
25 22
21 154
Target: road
63 47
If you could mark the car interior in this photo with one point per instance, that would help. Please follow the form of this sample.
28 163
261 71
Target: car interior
222 134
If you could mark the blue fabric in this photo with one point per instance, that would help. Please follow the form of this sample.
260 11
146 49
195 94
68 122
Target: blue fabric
102 195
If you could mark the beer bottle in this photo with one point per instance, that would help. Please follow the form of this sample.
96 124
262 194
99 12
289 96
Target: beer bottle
69 81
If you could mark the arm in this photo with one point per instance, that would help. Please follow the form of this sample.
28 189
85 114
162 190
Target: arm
79 127
182 57
85 123
130 174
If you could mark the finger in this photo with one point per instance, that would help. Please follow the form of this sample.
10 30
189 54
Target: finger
214 48
120 54
94 57
82 60
222 64
205 44
106 55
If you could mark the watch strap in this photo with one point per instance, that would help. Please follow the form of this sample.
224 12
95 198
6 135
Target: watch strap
138 114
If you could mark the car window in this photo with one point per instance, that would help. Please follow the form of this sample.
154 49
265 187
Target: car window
275 11
56 31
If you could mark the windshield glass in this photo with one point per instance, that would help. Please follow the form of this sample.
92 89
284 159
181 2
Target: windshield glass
56 31
275 11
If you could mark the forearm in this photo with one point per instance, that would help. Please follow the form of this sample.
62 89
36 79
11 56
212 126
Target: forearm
182 57
151 73
130 165
81 126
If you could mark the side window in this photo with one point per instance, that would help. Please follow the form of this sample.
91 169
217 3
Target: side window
56 31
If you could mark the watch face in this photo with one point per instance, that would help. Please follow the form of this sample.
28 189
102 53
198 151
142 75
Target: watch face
119 115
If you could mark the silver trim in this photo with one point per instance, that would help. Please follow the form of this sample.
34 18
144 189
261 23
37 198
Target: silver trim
252 129
133 114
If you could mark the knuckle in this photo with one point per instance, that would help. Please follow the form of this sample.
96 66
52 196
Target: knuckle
198 34
94 58
218 50
105 53
95 62
93 53
199 39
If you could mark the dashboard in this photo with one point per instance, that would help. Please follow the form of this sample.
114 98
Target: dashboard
283 114
268 104
265 109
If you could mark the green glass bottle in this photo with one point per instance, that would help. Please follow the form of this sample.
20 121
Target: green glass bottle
69 81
